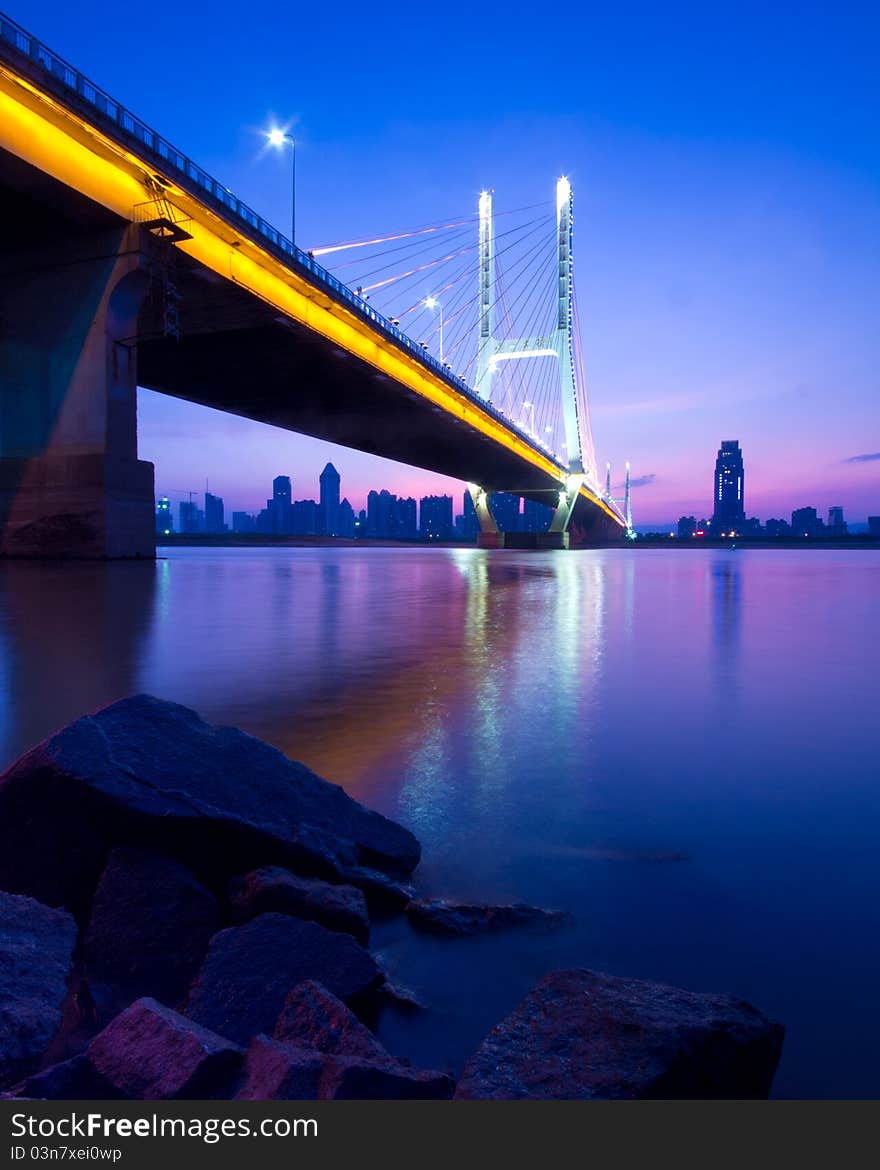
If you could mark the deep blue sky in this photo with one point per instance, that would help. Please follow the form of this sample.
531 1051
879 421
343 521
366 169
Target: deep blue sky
726 167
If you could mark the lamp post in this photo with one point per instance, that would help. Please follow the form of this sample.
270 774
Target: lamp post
278 138
433 303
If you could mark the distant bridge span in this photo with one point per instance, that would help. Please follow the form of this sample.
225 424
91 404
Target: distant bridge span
123 263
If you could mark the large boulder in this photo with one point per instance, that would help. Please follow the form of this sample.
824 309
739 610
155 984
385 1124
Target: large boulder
384 894
275 890
36 945
147 772
250 969
358 1065
582 1034
312 1017
438 916
150 1053
149 929
280 1072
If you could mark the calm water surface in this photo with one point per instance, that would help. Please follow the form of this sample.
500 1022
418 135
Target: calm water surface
680 747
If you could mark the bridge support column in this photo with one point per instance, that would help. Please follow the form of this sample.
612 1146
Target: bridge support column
489 536
71 484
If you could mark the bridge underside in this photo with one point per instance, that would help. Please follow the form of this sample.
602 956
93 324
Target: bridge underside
236 353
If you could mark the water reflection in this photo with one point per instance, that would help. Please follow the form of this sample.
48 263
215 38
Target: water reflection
72 638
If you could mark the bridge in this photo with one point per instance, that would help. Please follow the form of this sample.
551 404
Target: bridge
123 263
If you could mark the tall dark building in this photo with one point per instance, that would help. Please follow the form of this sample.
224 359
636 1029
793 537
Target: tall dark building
192 518
536 516
470 524
837 526
346 520
330 501
807 522
505 508
214 513
164 521
729 489
279 507
435 516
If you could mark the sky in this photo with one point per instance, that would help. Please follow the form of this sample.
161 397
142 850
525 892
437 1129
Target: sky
725 162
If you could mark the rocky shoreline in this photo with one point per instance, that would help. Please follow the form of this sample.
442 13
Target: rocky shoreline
186 913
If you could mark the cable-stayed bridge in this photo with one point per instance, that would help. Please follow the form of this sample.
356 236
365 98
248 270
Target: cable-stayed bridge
453 347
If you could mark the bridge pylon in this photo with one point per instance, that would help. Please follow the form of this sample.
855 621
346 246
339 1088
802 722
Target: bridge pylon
557 344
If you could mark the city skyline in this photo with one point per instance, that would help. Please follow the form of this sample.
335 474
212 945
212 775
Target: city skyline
386 515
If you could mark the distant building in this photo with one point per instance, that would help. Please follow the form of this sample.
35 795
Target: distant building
806 522
243 522
346 524
687 527
214 513
470 524
405 519
836 522
435 518
536 516
505 509
329 520
305 518
191 517
728 489
279 507
874 526
164 519
777 529
380 513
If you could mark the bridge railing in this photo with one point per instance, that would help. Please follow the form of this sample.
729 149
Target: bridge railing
70 83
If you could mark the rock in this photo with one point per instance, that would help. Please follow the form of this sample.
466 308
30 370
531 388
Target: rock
441 917
384 895
150 925
357 1065
150 1053
581 1034
312 1017
36 945
73 1080
147 772
250 969
280 1072
354 1079
275 1071
278 890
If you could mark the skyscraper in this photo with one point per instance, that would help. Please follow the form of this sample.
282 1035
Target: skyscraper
279 507
836 523
729 489
164 521
329 523
505 508
435 516
214 513
346 520
191 516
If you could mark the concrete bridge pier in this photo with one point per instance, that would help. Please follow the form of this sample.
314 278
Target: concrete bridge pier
71 483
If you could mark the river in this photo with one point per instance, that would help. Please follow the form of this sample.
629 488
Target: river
678 746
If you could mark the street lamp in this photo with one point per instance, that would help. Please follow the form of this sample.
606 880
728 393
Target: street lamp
278 139
433 303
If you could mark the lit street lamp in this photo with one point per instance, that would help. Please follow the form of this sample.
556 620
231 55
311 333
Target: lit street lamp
278 138
433 303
